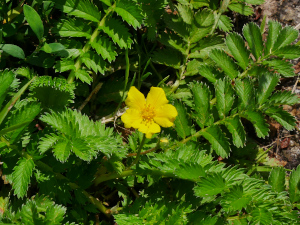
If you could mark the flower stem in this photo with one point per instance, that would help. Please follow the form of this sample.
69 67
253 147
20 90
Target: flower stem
136 161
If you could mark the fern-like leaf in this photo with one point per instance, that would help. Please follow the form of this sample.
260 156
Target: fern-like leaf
286 36
169 57
281 66
277 179
235 127
21 176
266 85
294 183
55 214
105 48
130 12
258 121
274 30
6 79
83 76
235 199
118 32
94 62
244 89
83 9
261 216
288 52
253 36
225 97
282 117
73 28
224 23
213 184
284 98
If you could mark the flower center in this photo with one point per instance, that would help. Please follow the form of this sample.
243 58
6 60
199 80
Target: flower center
148 113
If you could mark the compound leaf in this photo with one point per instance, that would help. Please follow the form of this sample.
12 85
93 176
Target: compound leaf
253 36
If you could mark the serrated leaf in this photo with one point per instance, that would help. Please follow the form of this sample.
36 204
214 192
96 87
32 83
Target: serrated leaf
274 30
34 21
235 127
258 121
210 73
205 17
277 179
261 216
83 76
198 33
266 85
201 95
73 28
118 32
82 149
29 213
213 184
255 2
169 57
224 23
13 50
284 68
6 79
288 52
284 98
190 171
54 214
281 116
294 185
94 62
235 199
217 139
186 13
224 96
237 48
83 9
244 89
52 47
225 62
253 36
182 125
105 48
286 36
21 176
130 12
62 150
47 142
241 8
174 41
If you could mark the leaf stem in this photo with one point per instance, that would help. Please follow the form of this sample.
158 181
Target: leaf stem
136 160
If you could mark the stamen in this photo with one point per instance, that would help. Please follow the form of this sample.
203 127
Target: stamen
148 114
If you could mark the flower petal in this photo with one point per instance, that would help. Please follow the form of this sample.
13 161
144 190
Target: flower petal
165 115
135 99
132 118
149 129
156 97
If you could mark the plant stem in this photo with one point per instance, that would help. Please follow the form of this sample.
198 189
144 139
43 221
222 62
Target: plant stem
136 160
87 46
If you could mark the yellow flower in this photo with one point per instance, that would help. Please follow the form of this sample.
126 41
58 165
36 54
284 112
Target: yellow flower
147 115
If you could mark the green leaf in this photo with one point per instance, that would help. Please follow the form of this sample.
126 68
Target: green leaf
284 68
255 2
294 185
34 21
83 9
286 36
130 12
274 29
235 199
167 56
281 116
52 47
118 32
186 13
65 65
94 62
201 94
217 139
266 85
224 23
211 185
284 98
47 142
241 8
105 48
205 17
198 33
55 214
244 89
13 50
62 150
225 62
29 213
83 76
235 127
258 121
288 52
253 36
82 150
190 171
6 79
225 97
237 48
182 125
21 176
277 179
174 41
261 216
73 28
210 73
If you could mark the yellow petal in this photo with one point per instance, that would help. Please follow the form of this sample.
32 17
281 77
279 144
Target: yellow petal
165 115
132 118
156 97
135 99
149 129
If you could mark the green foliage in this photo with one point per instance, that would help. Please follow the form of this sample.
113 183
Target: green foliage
66 157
